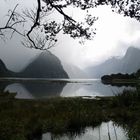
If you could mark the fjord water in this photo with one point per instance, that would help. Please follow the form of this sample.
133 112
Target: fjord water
43 88
106 131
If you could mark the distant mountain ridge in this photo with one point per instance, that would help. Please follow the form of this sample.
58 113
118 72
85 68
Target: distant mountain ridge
75 72
128 64
46 65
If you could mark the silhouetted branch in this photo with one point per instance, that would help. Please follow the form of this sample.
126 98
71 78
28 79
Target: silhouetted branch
36 23
11 28
14 19
59 9
11 16
68 25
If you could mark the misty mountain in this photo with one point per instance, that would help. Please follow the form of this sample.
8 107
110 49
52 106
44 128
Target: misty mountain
4 72
46 65
75 72
128 64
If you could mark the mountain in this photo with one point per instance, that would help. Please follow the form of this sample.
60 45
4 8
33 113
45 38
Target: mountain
46 65
4 72
75 72
128 64
131 60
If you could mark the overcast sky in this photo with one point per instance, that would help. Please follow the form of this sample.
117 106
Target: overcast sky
115 34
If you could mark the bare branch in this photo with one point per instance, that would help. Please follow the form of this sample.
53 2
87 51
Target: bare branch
11 22
11 28
11 16
36 23
30 14
17 22
68 25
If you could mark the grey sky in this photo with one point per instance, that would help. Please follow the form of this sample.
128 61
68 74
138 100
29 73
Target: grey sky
115 34
12 52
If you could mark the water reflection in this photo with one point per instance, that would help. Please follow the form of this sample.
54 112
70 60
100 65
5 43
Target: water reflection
30 90
94 88
46 89
106 131
20 89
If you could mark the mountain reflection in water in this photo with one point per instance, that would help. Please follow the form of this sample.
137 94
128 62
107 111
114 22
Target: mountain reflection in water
106 131
67 88
31 90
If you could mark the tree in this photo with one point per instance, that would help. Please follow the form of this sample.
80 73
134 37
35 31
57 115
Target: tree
68 25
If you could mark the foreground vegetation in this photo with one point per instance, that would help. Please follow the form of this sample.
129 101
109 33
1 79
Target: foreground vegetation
26 119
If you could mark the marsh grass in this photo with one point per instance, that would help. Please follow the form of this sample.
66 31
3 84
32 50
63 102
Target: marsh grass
26 119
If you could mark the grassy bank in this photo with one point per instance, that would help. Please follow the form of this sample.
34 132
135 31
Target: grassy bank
23 119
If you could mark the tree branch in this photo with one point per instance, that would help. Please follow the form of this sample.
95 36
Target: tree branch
60 11
11 16
36 23
9 25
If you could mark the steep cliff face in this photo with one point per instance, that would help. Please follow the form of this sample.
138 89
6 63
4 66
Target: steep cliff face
46 65
131 61
4 72
128 64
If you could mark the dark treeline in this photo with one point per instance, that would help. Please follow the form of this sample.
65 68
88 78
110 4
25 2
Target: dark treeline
120 76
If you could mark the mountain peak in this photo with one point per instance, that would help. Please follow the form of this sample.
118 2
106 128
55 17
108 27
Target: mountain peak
46 65
2 63
128 64
132 53
3 70
131 50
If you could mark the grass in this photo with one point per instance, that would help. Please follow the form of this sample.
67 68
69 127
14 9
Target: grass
24 119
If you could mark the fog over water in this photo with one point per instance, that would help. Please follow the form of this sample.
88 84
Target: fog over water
115 34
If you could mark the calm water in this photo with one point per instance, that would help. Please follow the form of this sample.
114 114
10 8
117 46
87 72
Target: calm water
43 88
106 131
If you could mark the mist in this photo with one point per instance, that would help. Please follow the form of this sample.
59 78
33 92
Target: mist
115 34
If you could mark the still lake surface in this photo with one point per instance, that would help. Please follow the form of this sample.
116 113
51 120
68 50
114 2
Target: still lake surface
32 88
106 131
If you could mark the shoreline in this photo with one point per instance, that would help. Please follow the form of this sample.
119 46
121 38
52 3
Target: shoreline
20 79
24 118
121 82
